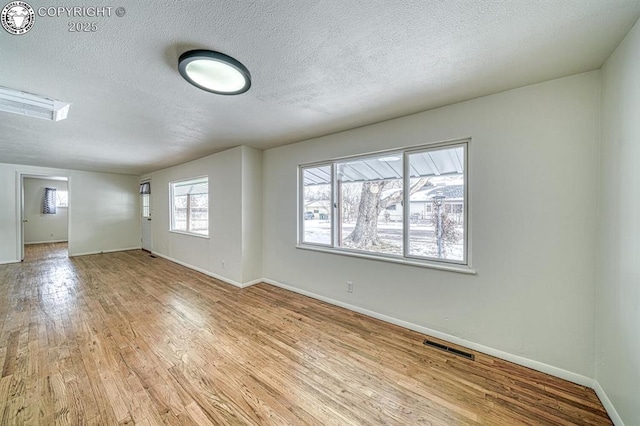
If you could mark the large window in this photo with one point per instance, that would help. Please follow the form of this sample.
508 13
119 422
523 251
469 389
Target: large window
407 204
190 206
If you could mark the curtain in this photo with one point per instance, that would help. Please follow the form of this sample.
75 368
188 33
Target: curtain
145 188
49 203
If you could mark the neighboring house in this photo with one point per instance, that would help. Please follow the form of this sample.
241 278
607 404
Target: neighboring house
320 209
422 204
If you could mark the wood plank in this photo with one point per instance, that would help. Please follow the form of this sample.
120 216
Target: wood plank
122 338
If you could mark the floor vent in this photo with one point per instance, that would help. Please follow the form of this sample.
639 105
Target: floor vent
467 355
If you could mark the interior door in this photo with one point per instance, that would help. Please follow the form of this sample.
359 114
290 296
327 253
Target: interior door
145 204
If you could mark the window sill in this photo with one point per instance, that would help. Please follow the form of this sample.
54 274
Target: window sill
451 267
206 237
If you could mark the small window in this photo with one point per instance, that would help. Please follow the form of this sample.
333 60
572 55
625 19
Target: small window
316 200
190 206
62 199
146 207
441 233
145 199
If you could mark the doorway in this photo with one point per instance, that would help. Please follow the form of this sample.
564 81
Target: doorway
44 217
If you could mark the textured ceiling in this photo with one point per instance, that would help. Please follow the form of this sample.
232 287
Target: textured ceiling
318 67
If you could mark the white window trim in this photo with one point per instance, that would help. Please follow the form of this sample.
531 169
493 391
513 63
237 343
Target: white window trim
191 234
463 266
440 265
171 201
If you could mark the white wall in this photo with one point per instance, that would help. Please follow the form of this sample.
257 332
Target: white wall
251 214
533 198
230 187
104 210
40 227
618 295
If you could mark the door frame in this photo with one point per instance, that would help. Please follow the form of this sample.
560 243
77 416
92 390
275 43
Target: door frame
20 176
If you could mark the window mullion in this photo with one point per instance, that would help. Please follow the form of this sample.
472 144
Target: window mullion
465 205
301 210
189 212
336 203
406 208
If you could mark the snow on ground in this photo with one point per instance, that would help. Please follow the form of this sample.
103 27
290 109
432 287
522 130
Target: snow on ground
422 238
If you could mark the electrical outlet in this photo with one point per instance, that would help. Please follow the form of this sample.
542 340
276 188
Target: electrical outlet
349 287
223 264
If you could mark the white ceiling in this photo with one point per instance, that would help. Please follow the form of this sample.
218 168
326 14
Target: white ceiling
318 67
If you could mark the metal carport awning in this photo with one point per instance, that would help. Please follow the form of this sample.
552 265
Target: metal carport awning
445 161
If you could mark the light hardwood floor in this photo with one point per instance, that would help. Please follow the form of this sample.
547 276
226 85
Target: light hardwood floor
124 338
33 252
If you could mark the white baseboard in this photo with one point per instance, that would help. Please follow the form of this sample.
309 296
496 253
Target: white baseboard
46 242
103 251
535 365
606 402
209 273
254 282
76 254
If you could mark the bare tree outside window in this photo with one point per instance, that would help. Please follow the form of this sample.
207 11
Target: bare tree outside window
374 198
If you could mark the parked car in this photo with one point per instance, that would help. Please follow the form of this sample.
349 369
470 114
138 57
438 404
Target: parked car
309 215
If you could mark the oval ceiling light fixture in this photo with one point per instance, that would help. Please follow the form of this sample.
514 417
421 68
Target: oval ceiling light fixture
214 72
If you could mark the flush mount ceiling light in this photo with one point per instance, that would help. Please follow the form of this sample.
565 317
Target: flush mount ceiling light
214 72
31 105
